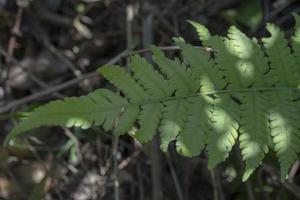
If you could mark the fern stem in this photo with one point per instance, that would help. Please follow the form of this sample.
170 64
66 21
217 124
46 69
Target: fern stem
214 184
156 166
115 143
174 177
225 91
115 167
250 190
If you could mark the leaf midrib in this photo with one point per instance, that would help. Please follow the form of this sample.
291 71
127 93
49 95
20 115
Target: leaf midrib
245 90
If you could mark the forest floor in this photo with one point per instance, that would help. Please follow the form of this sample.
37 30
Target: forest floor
50 49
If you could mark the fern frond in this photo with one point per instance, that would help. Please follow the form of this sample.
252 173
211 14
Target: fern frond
202 66
149 121
283 70
202 31
193 138
178 75
173 118
101 107
224 128
124 82
296 41
284 121
127 119
254 132
150 79
252 61
283 113
227 62
208 100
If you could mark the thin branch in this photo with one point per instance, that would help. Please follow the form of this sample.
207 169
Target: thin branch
294 189
59 87
73 82
115 167
214 185
165 48
293 171
35 79
11 47
15 31
250 191
156 166
73 138
43 93
52 17
140 182
175 178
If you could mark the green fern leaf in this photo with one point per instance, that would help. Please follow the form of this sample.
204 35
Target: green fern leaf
127 119
193 138
284 127
252 60
203 67
223 130
173 118
157 87
283 70
177 73
99 107
228 63
203 32
283 115
207 100
124 82
151 80
296 41
149 121
254 133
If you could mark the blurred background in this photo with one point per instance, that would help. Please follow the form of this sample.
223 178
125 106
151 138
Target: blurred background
50 49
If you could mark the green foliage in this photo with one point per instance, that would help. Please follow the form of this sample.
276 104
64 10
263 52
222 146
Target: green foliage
241 92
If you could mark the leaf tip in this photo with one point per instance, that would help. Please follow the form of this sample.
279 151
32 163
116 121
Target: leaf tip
203 32
246 174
